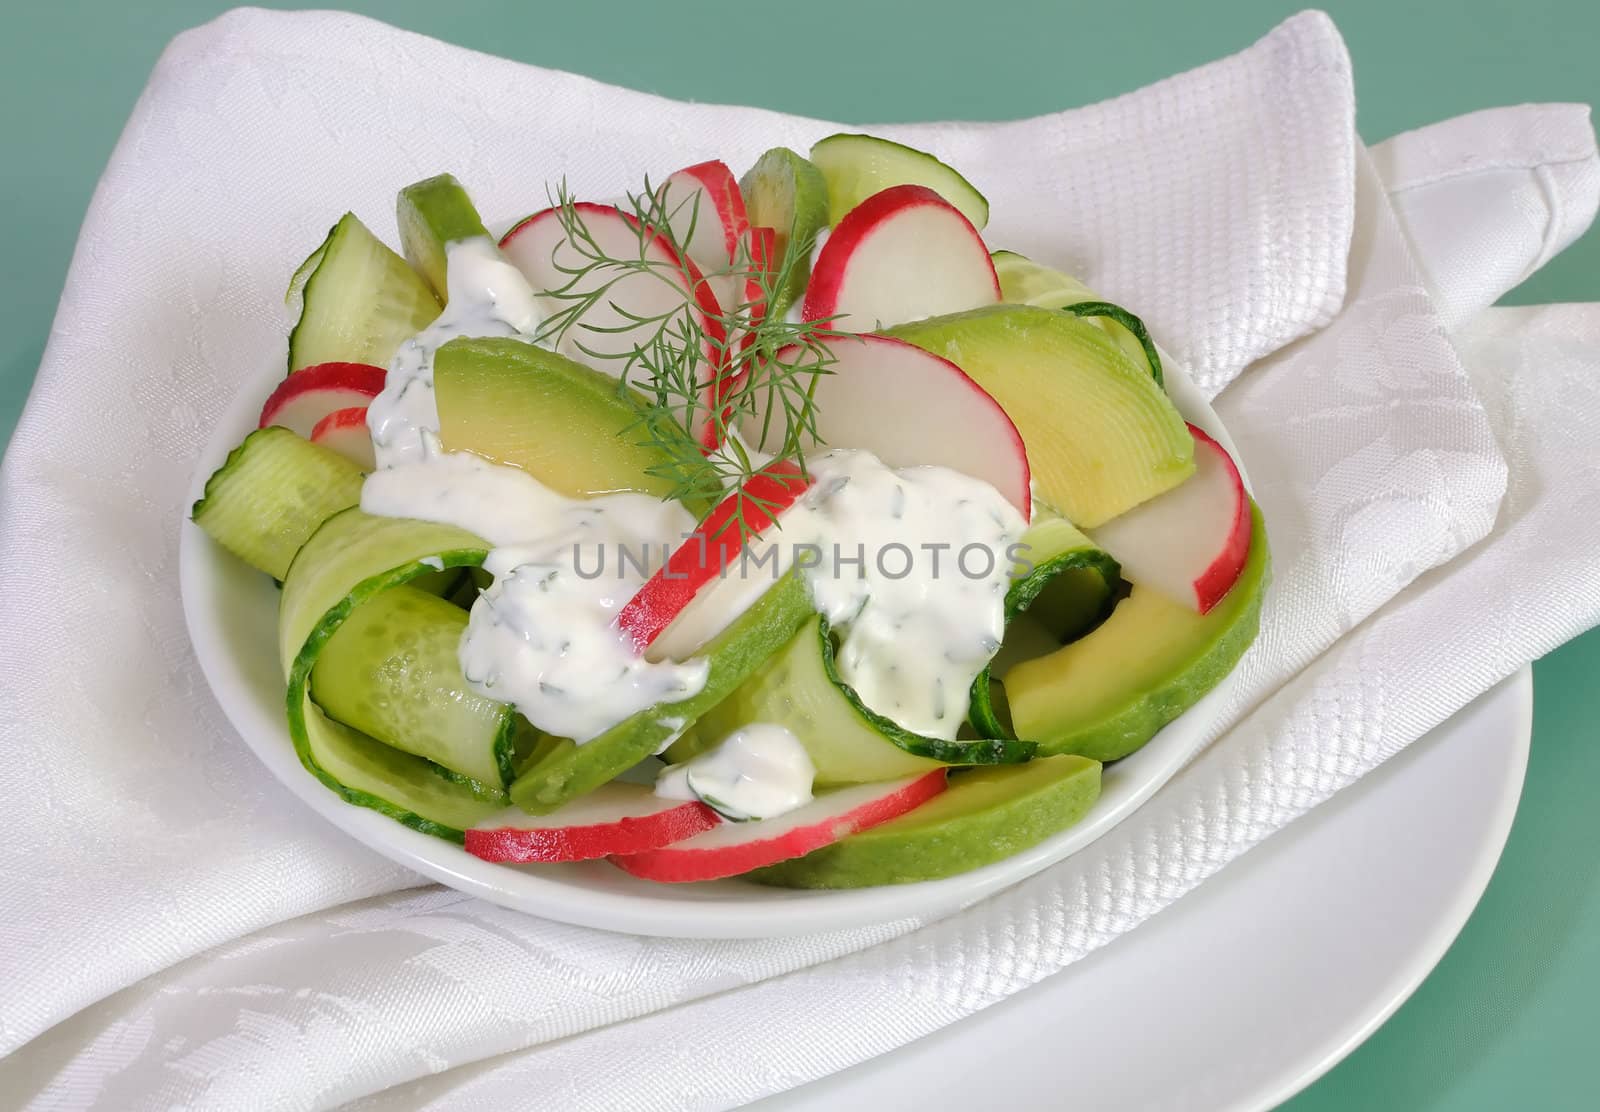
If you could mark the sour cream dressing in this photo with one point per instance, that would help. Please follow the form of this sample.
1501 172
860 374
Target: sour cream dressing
542 635
757 772
488 297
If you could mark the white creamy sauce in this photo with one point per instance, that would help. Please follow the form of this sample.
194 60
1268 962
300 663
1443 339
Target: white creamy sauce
911 566
757 772
541 636
487 297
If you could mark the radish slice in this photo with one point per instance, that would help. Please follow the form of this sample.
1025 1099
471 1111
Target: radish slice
901 255
614 818
309 395
672 596
1190 543
957 424
738 847
608 331
345 431
705 211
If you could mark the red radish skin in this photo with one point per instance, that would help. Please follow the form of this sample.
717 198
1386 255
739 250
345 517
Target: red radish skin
713 546
1190 543
902 254
957 424
616 818
345 431
311 393
533 245
718 216
763 254
1223 572
734 848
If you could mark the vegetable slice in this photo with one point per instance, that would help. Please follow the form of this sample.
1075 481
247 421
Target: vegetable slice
847 741
270 495
348 561
568 770
1071 587
391 671
857 166
359 303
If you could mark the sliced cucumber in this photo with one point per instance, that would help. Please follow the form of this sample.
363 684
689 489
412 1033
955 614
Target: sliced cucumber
857 166
270 495
1070 588
1122 325
847 741
360 301
433 214
1025 282
984 815
567 770
788 194
391 671
350 560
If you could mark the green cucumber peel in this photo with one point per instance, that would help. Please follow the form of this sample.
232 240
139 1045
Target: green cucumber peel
352 557
1024 592
1132 323
567 769
984 751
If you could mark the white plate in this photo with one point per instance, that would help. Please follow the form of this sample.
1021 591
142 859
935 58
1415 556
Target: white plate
1250 988
232 617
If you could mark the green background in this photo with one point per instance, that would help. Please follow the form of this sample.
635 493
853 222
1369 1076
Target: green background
1508 1018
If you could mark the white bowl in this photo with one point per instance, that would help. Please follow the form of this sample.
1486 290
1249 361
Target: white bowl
232 614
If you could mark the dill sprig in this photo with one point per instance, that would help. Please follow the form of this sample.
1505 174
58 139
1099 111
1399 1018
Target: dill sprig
696 377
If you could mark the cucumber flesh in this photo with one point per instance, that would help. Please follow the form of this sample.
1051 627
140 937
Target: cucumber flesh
350 560
857 166
360 301
566 770
391 671
1071 588
270 495
433 214
847 742
1025 282
788 194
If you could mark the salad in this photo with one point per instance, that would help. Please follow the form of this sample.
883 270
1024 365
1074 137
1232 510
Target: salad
770 527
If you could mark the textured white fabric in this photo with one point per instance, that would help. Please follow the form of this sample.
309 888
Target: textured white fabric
216 946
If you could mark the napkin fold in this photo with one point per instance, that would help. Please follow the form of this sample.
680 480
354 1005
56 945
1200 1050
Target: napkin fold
214 945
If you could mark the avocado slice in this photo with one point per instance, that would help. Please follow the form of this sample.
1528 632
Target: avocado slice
433 214
565 770
1106 694
984 815
565 424
1101 434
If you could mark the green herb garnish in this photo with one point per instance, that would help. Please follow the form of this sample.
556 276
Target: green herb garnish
694 377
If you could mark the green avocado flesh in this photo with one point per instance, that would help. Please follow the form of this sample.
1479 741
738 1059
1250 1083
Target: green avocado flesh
566 770
1101 435
983 816
786 193
391 671
847 742
563 423
433 214
1106 694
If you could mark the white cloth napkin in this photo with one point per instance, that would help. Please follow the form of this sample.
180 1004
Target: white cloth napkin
196 937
